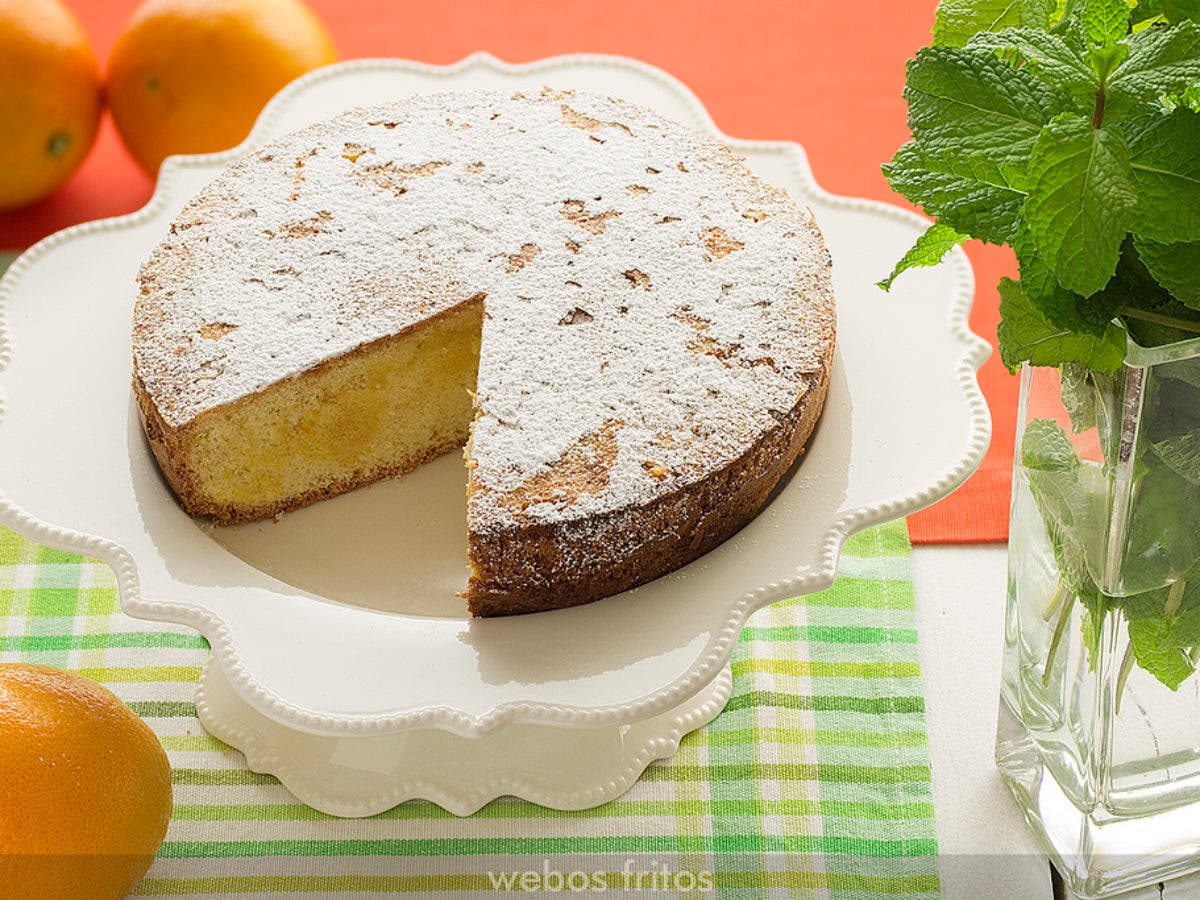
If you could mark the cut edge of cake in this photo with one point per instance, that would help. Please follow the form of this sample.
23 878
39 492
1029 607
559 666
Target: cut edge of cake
283 448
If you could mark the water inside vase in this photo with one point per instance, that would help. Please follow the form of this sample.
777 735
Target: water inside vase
1099 736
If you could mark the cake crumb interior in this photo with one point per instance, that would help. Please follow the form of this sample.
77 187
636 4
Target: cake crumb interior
382 410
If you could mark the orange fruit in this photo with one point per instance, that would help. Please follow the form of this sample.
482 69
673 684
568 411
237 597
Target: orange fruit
191 76
85 794
50 98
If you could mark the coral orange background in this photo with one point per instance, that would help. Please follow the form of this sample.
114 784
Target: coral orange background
827 75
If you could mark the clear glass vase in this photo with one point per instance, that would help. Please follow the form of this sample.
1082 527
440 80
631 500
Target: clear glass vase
1099 731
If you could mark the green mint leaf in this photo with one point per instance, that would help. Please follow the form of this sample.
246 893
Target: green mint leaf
1103 22
958 20
1178 10
1151 604
1161 61
1037 278
1165 159
1151 314
959 199
970 108
1081 201
1060 306
930 248
1159 640
1065 307
1170 665
1069 495
1146 11
1188 99
1181 454
1045 447
1048 58
1104 59
1183 630
1028 335
1176 267
1164 525
1160 330
1078 396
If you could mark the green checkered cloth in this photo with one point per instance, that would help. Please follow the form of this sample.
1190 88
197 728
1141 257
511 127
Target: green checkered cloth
814 781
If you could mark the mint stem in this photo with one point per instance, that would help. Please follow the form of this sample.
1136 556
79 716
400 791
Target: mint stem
1123 676
1056 601
1098 110
1174 598
1159 319
1056 639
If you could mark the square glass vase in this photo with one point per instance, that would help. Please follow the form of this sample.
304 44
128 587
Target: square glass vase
1099 724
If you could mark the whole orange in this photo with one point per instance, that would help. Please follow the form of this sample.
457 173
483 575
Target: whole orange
50 98
191 76
85 794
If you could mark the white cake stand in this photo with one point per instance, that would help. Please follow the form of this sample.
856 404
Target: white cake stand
342 661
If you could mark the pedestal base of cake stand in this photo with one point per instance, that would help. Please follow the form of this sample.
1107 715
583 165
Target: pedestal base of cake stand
360 775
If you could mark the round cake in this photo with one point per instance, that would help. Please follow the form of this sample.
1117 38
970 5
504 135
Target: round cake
630 332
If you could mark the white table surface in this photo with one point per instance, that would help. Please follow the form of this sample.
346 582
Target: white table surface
986 849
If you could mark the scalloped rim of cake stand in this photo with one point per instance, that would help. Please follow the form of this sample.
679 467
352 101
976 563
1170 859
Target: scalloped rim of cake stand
974 351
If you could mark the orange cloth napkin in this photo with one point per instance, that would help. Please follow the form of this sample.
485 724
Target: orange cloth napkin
826 75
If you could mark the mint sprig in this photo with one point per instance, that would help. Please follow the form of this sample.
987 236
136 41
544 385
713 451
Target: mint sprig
1071 495
1069 130
1066 129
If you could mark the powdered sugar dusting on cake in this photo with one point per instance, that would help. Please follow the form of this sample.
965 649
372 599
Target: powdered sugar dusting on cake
651 307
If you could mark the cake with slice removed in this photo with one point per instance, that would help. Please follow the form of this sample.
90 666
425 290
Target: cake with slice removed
630 332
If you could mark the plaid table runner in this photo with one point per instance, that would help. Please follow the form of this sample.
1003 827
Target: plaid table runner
814 781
